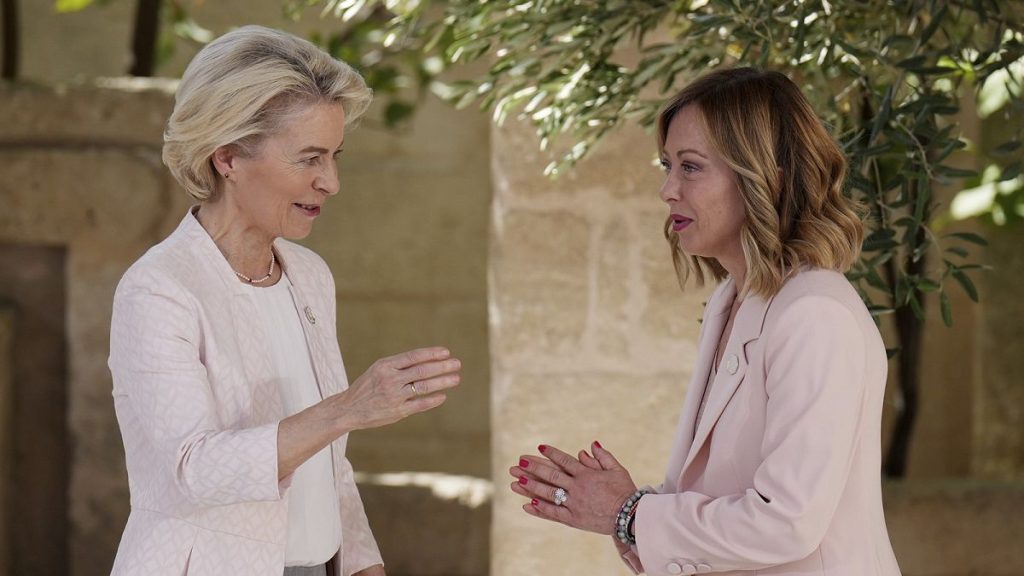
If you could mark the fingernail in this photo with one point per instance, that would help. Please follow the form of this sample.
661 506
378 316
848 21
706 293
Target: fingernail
542 448
534 502
523 480
524 463
598 444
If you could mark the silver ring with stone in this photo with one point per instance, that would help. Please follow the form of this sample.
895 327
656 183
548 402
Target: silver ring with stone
414 390
561 496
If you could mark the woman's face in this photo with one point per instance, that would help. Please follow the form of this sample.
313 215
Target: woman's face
281 189
700 189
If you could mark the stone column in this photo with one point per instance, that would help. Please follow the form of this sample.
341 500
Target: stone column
591 337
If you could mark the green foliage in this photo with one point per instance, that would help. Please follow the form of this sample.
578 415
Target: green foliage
888 77
71 5
386 42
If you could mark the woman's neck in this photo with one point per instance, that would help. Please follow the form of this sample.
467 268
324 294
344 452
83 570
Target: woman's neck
735 263
247 249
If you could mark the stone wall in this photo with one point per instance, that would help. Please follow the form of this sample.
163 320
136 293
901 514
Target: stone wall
82 170
956 527
999 397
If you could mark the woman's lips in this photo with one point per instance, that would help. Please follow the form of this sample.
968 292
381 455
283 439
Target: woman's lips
680 222
308 209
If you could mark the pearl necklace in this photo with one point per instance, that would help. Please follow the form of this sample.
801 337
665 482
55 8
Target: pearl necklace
269 275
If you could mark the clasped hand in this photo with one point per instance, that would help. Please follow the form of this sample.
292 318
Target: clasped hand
595 487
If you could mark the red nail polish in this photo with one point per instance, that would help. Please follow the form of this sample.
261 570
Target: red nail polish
524 463
534 502
542 448
598 444
523 480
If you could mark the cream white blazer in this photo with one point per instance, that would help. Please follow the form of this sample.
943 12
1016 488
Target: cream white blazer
199 413
783 474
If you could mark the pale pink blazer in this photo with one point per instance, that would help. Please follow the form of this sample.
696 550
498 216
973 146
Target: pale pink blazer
783 474
199 414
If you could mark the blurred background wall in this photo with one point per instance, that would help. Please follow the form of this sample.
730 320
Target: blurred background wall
558 295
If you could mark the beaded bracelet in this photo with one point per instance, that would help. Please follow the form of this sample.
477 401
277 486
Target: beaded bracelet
625 517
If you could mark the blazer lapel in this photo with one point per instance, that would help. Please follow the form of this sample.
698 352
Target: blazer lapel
249 331
746 328
715 316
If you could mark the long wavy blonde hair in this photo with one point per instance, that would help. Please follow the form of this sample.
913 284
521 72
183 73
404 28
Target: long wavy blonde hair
789 171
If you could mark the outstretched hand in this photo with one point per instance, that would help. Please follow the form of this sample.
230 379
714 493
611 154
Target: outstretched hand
595 486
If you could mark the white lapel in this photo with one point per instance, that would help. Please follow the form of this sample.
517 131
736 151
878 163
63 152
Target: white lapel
249 332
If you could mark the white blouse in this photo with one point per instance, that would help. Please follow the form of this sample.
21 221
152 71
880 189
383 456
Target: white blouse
314 519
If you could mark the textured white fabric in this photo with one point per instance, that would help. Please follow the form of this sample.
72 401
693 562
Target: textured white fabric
314 524
199 410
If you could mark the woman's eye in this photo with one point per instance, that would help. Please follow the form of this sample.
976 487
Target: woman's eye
312 160
665 167
688 168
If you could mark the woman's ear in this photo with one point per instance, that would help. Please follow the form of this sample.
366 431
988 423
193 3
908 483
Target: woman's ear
224 160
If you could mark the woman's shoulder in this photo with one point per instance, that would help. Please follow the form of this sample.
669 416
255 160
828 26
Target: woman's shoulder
820 293
163 264
818 283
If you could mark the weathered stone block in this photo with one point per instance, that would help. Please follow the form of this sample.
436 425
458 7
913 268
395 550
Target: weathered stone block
87 115
540 285
55 196
429 524
999 396
453 438
616 290
421 239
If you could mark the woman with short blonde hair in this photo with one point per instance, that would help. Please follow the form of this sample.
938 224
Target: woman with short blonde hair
776 465
229 387
240 88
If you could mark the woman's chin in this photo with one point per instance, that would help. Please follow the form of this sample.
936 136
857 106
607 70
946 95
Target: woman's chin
297 234
689 249
297 230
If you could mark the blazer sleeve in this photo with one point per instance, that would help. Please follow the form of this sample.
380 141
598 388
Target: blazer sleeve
815 361
158 373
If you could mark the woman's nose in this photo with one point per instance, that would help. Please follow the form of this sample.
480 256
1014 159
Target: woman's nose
327 182
669 190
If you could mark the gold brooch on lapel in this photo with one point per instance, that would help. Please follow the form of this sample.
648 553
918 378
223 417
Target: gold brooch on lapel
732 364
309 315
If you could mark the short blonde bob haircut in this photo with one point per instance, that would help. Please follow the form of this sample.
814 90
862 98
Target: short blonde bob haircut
240 89
789 171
